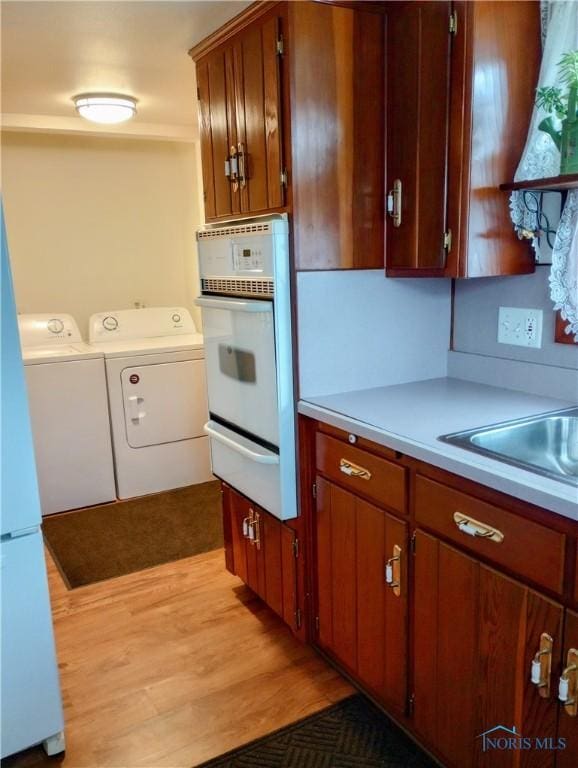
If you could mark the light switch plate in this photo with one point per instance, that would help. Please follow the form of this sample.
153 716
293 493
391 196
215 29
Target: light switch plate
521 327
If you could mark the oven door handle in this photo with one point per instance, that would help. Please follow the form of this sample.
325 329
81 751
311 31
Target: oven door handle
234 305
263 456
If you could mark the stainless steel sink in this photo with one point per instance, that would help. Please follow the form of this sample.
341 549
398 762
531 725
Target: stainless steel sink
546 444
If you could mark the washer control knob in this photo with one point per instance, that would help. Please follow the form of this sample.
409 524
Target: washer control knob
110 323
55 325
176 317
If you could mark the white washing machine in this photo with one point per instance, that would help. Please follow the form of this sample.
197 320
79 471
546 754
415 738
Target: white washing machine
157 393
69 412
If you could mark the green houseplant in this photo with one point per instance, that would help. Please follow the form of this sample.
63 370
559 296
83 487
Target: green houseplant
562 124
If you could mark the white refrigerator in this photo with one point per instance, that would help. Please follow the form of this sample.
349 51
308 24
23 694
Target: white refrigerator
31 706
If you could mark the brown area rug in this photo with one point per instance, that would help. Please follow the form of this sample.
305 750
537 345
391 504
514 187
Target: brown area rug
97 543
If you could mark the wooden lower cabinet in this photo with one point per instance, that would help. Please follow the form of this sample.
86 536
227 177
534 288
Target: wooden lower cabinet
475 635
362 620
568 724
261 550
450 653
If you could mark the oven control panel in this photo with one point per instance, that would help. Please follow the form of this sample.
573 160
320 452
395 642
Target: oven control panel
247 258
253 250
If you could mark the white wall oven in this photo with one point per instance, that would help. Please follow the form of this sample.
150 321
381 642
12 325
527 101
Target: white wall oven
246 308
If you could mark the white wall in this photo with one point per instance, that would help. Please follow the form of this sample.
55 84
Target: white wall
359 330
100 223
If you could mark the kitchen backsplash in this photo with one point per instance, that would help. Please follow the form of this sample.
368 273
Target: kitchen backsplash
359 330
476 307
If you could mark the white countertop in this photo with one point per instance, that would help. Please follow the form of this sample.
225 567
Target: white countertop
410 417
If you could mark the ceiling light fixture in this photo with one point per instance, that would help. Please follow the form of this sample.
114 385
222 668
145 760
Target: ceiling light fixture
106 108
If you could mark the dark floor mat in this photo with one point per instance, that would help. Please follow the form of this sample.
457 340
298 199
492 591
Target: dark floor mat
98 543
350 734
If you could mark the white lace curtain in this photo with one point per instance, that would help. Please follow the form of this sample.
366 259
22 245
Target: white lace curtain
541 159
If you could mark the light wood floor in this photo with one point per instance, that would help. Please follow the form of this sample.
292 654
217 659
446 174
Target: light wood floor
174 665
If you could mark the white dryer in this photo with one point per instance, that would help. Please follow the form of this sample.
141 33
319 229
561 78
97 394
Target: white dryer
69 413
157 393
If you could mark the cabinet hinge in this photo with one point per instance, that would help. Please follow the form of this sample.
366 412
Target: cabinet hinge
314 490
412 543
280 46
295 548
283 177
411 705
298 618
317 623
453 24
448 240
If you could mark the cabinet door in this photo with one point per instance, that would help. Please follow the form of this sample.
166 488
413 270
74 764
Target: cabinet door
258 100
266 562
567 724
234 107
235 510
206 139
362 622
214 112
418 88
476 633
277 571
228 528
337 134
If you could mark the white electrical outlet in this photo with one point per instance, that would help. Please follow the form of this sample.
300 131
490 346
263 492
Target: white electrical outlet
522 327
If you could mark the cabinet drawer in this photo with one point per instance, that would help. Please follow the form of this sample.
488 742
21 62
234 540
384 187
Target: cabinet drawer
527 548
364 474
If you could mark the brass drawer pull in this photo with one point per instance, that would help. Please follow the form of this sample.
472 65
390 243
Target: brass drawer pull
542 666
473 527
354 470
568 686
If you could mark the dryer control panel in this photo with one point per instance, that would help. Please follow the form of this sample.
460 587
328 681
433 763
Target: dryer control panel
146 323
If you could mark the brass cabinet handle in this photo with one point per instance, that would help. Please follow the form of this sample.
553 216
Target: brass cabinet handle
234 168
541 668
393 571
354 470
252 529
242 168
568 685
394 203
256 528
473 527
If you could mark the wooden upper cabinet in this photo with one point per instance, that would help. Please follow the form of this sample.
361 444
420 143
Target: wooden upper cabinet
239 91
214 135
418 91
292 94
337 135
460 82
